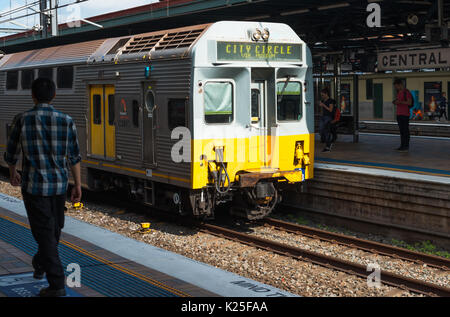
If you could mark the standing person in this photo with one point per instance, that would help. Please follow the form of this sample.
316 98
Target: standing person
328 106
443 107
48 140
403 102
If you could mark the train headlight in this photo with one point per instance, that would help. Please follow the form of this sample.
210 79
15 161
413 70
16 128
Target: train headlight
257 35
266 35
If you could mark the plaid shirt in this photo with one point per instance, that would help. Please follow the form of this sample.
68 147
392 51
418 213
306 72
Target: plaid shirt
48 139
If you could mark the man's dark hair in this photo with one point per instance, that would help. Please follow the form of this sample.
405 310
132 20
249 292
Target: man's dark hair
398 82
43 89
325 91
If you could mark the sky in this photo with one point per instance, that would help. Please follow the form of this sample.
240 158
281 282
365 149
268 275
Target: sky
67 14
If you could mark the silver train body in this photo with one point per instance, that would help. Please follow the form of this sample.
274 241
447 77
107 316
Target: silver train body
185 118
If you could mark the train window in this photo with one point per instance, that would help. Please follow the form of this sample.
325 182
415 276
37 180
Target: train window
111 110
218 102
12 80
27 78
177 113
45 73
149 101
64 77
135 113
289 101
256 95
97 109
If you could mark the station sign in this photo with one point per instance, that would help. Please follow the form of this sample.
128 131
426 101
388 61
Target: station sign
249 51
414 59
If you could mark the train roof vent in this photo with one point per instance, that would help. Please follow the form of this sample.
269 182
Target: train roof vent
142 44
118 46
176 42
179 39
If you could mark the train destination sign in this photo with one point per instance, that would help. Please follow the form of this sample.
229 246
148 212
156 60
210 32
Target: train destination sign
245 51
414 59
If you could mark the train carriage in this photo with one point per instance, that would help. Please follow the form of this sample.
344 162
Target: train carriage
184 118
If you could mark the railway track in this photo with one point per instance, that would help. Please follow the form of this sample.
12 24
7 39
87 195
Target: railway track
388 278
361 244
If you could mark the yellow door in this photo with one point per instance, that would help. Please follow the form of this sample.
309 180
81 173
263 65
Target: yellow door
102 114
110 129
97 121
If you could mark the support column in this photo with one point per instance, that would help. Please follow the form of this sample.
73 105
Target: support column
441 20
54 17
355 109
44 18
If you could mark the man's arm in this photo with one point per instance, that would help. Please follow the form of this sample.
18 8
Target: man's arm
329 108
12 153
408 101
74 159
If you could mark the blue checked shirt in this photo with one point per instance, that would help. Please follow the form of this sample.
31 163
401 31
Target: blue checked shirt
48 140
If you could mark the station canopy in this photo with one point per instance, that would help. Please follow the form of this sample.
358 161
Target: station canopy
326 26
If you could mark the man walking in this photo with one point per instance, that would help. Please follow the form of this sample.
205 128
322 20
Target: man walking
403 102
48 140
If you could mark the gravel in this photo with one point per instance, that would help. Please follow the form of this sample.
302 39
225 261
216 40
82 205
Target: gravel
295 276
386 263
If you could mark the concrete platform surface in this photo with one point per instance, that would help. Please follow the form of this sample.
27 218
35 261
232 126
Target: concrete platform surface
111 264
426 156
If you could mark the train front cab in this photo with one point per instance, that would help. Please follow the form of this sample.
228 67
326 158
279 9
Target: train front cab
253 117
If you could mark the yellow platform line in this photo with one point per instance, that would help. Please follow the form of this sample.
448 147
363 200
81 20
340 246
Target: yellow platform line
107 262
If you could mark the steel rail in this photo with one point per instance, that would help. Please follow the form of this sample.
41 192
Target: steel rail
360 270
333 263
366 245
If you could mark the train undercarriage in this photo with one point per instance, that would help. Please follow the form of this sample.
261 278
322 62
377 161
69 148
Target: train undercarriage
252 197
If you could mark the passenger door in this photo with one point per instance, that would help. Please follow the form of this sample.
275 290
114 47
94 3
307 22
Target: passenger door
102 122
378 100
259 119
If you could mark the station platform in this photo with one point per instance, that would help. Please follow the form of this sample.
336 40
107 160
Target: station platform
427 155
111 265
370 187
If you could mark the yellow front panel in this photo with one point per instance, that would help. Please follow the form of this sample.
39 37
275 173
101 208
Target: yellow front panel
110 129
97 120
242 154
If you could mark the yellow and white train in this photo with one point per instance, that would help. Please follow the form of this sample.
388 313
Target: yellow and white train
185 118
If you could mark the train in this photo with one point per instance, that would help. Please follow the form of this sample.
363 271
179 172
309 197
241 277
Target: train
183 119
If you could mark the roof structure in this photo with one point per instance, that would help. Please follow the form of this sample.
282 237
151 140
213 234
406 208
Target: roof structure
168 44
325 25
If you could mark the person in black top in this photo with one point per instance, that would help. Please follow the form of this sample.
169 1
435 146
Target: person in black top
443 106
328 106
